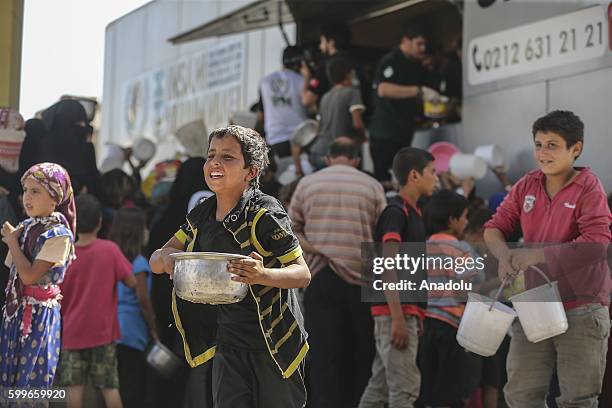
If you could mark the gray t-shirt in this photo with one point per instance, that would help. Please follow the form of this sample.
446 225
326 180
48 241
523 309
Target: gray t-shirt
336 120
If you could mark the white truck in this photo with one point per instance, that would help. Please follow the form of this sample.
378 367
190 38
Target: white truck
172 62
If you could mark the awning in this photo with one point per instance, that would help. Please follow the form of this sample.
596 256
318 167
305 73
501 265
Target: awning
314 13
257 15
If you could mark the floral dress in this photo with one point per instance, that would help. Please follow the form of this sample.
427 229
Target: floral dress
31 323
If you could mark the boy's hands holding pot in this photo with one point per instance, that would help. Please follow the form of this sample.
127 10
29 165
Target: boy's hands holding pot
168 260
250 271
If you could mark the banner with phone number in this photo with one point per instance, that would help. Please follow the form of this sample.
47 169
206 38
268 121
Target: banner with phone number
549 43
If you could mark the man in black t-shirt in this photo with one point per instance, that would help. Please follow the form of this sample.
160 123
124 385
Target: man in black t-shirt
398 86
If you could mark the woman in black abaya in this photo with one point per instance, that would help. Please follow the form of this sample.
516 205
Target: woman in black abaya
66 143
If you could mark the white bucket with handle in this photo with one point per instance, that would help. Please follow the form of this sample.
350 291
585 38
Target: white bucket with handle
484 324
541 311
492 154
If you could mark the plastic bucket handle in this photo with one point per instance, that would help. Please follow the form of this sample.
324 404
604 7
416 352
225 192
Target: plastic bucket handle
542 274
499 290
505 281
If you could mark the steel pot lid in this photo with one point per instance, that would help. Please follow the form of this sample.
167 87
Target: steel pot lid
212 256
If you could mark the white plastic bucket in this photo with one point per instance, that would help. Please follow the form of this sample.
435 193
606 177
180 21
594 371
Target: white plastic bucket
492 154
467 165
541 311
482 328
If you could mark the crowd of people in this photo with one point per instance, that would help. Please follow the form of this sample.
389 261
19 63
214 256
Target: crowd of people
88 266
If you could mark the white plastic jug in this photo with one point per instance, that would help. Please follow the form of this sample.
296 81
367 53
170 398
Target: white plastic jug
483 328
467 165
492 154
541 311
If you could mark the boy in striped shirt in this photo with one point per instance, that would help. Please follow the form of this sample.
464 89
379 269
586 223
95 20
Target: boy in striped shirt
449 261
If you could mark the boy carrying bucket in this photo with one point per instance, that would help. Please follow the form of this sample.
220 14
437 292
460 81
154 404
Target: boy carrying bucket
565 206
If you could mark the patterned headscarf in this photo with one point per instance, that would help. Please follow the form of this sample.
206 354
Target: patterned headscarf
55 179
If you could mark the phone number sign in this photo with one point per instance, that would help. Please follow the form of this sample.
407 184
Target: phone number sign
549 43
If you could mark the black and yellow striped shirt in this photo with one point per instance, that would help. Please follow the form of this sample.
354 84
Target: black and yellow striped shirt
257 223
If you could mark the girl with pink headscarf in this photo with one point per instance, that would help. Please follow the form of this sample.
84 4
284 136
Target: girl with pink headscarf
40 250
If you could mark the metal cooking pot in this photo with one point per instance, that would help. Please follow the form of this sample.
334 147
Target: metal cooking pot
163 360
305 133
436 108
202 277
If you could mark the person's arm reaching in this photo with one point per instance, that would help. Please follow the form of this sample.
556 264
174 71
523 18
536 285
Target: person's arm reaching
399 329
146 307
296 151
129 281
395 91
503 224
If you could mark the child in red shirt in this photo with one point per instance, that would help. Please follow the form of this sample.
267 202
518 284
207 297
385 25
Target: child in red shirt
90 326
565 206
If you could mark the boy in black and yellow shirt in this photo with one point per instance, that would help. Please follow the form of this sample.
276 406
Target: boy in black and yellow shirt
258 344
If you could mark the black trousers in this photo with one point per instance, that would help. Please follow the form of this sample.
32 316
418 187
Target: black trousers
382 152
341 336
198 391
449 374
250 379
132 367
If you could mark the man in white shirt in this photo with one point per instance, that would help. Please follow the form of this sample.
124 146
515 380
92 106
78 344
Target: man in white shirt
280 94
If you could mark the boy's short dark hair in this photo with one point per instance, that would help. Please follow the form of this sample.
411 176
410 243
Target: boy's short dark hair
338 69
478 218
412 30
564 123
292 57
343 148
254 148
338 32
116 187
441 207
89 213
408 159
